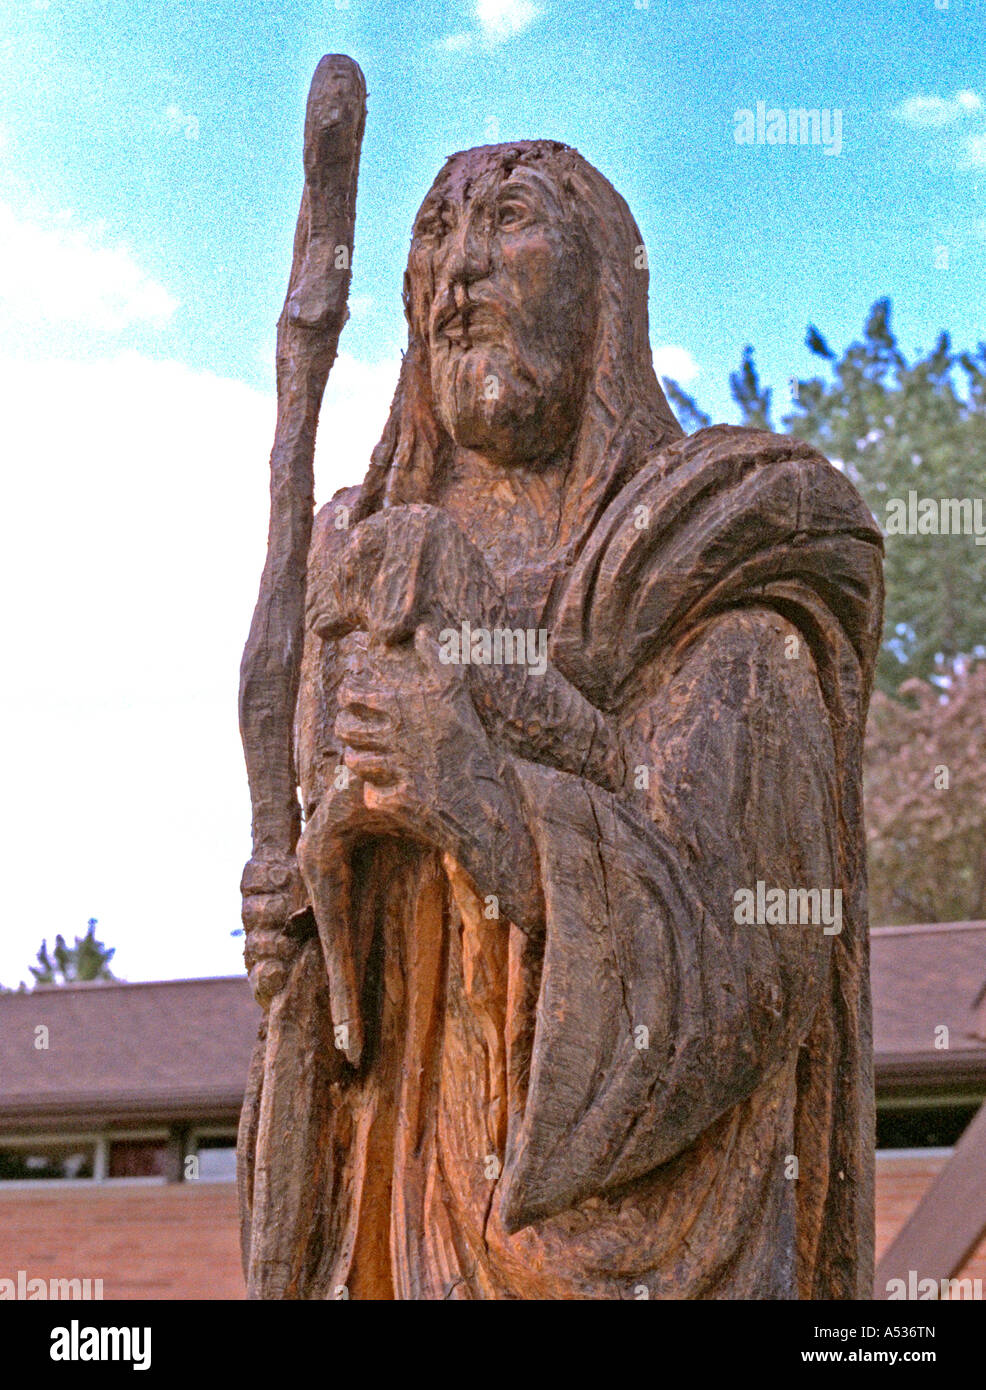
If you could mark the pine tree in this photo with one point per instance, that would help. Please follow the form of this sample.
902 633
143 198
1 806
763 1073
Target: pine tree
87 960
897 427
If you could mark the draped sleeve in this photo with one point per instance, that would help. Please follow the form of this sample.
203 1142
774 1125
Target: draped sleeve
658 1010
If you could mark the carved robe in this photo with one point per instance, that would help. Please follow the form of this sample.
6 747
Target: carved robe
647 1094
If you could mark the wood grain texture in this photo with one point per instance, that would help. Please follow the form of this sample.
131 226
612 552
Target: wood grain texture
531 1049
274 915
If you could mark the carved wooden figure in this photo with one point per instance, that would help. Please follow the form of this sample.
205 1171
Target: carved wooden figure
567 974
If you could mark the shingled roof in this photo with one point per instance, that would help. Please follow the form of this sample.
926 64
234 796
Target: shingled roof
179 1049
165 1050
923 977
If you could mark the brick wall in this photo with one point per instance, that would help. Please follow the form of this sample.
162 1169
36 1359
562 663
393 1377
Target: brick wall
182 1241
173 1241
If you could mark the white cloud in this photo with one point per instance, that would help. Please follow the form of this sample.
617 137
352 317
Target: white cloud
973 152
505 19
950 119
354 413
496 22
179 122
360 305
131 543
457 43
675 362
934 111
62 273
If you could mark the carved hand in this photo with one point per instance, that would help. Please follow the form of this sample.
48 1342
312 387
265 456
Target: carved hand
273 893
427 769
412 565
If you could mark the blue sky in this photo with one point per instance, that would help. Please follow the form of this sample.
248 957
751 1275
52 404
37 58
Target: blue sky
177 123
149 183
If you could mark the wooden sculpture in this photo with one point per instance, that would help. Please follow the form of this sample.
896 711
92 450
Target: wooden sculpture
576 712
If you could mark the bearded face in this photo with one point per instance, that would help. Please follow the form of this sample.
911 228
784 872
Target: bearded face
510 315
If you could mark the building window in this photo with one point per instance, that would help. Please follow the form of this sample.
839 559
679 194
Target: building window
48 1161
138 1158
202 1154
926 1125
216 1154
119 1155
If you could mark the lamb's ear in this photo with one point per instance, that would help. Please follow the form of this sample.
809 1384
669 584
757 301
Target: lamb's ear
326 597
334 520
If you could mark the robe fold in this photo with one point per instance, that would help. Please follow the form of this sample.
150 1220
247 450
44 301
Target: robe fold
652 1096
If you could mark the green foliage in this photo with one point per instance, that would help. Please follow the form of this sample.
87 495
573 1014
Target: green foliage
752 398
898 427
690 417
87 960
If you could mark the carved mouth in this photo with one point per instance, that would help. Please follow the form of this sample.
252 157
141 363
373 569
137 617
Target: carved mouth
463 327
456 328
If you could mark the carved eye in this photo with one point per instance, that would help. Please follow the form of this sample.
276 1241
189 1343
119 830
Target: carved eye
512 214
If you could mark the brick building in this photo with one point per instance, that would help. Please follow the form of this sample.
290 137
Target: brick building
118 1134
119 1103
929 1035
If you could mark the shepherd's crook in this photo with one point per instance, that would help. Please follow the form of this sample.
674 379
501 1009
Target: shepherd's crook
307 339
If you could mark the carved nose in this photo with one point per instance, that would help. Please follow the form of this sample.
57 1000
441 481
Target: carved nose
469 256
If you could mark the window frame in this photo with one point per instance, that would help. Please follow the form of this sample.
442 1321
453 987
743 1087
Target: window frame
100 1140
927 1100
191 1149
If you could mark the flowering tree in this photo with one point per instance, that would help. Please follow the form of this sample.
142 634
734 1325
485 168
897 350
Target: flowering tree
926 801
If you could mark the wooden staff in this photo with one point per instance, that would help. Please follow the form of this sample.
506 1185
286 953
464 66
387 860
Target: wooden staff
307 340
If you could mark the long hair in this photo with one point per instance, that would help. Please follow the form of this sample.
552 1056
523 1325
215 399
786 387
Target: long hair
624 415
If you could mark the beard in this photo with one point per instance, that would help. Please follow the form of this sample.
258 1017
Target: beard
497 403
